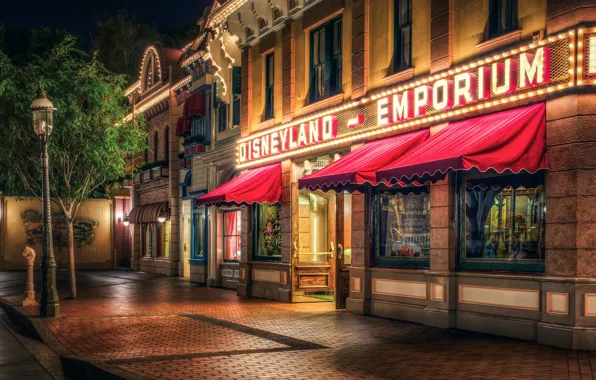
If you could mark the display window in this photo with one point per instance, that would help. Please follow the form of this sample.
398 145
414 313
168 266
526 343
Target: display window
402 227
164 235
147 233
268 231
313 225
503 222
232 227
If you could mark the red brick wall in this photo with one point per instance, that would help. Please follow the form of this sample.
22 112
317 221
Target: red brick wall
158 124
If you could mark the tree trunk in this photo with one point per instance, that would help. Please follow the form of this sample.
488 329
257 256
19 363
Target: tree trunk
71 257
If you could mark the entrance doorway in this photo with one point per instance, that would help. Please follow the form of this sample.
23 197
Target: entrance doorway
323 247
186 233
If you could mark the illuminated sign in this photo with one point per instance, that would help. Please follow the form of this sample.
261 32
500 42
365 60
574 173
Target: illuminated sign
522 73
290 138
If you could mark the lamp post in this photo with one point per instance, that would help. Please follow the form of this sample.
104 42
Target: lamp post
43 115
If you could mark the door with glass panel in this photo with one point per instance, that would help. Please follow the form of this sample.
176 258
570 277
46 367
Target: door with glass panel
343 258
315 247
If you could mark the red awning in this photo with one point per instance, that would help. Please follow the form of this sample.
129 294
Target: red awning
194 105
360 166
512 140
258 185
180 127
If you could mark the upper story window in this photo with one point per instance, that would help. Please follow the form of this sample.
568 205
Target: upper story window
166 140
146 154
277 14
402 41
150 72
262 24
325 60
155 147
221 113
269 80
292 4
502 17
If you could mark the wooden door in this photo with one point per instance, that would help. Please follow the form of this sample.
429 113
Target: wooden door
343 234
314 246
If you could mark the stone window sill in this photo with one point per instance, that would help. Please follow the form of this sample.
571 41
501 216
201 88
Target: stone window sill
322 104
500 41
228 133
266 124
400 76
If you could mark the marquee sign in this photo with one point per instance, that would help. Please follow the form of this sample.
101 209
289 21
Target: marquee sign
522 73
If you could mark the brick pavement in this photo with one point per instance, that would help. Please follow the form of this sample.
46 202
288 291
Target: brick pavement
165 328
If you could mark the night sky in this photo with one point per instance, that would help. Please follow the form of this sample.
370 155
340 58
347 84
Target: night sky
78 17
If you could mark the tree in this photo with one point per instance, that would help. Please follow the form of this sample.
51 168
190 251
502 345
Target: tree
90 146
120 42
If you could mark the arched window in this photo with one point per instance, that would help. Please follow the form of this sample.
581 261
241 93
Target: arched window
262 23
277 14
150 71
155 147
249 33
167 143
292 4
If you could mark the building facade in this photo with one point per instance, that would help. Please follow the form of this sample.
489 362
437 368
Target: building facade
154 217
428 161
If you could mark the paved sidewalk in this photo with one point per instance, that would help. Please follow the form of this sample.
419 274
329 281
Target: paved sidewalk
15 361
155 327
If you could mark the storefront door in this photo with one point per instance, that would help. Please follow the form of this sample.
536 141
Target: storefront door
343 257
315 248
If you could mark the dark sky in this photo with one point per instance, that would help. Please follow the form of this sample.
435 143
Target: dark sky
78 17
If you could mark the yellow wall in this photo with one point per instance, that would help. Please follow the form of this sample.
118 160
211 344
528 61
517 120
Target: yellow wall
381 39
471 18
97 251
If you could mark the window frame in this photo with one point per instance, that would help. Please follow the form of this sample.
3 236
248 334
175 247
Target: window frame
255 210
223 232
199 213
460 179
397 37
269 86
393 262
167 143
332 63
494 12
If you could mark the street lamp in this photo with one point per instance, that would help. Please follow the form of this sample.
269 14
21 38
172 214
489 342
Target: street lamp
43 115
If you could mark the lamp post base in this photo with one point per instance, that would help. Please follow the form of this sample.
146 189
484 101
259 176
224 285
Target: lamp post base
52 310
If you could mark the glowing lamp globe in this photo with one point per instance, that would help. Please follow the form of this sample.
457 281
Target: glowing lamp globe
162 217
43 114
126 221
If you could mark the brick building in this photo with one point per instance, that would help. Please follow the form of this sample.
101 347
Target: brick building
154 222
428 161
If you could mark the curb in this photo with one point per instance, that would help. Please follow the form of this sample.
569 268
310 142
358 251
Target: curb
74 365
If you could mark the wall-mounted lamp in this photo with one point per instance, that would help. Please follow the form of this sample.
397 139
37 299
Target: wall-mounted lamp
163 216
126 221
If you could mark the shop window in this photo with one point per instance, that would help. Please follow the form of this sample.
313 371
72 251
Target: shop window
198 236
402 39
163 230
232 222
503 222
147 239
269 81
313 221
402 228
268 231
502 17
325 60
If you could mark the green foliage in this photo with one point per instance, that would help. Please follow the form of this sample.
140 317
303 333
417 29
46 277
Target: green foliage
90 146
121 41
